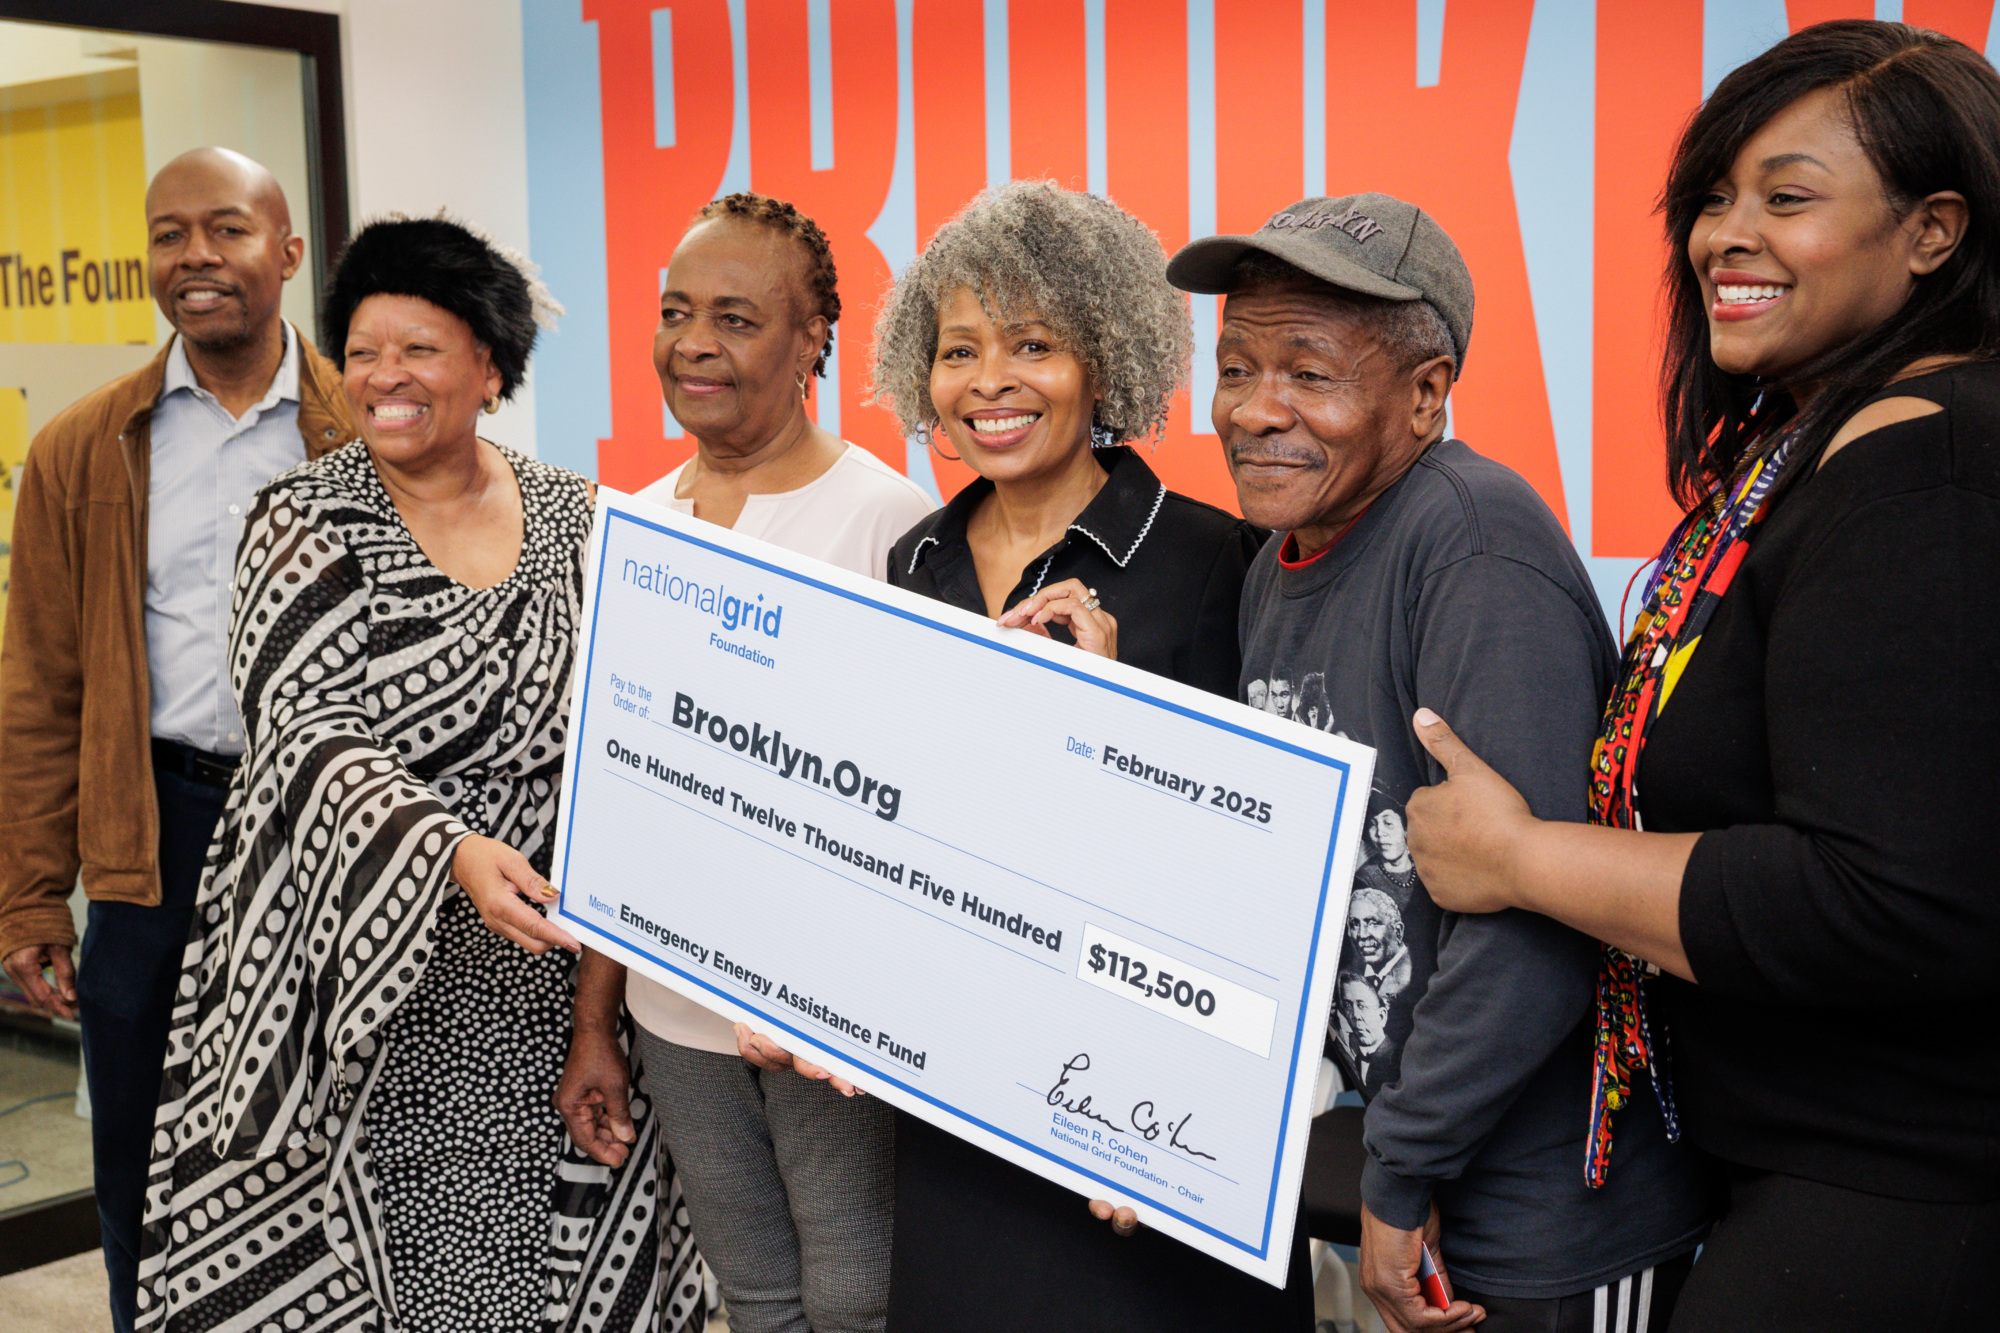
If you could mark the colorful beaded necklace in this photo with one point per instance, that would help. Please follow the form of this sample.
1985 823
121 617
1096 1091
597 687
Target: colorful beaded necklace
1694 570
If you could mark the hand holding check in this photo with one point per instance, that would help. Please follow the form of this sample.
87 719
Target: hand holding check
1074 607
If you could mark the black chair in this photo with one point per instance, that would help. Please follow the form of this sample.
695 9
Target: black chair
1332 1189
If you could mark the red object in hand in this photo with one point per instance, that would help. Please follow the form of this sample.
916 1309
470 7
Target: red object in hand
1428 1279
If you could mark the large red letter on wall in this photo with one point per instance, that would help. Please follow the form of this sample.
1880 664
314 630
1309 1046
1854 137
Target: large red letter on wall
649 194
1046 88
1967 20
1146 172
1648 84
1259 168
948 62
1259 114
1445 148
846 197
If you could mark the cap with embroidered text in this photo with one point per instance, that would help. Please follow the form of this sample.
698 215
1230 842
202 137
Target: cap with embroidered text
1367 243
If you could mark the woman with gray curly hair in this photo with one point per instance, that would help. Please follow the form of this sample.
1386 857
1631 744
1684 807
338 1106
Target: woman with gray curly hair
1036 334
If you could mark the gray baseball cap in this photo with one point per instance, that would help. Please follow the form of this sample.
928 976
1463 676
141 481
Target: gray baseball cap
1367 243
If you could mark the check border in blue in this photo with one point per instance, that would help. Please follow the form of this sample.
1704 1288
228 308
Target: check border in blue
1261 1249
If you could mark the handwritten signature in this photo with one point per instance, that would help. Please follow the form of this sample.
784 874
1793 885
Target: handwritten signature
1145 1116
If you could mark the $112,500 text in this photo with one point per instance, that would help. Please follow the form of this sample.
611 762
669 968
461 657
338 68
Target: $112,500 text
1179 990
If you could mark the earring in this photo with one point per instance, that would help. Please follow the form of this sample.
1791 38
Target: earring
492 406
930 439
1100 434
804 383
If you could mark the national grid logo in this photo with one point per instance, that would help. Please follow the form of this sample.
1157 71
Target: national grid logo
734 612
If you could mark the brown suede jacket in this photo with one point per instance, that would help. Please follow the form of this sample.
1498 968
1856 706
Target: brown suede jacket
76 761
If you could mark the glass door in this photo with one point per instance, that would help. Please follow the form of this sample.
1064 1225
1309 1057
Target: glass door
87 115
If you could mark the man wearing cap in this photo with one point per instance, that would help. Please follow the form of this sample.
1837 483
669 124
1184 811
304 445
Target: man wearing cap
1415 573
118 731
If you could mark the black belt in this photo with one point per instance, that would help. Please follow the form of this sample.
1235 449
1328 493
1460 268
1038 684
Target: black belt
211 770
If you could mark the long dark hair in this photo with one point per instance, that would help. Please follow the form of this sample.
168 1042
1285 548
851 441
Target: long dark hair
1926 109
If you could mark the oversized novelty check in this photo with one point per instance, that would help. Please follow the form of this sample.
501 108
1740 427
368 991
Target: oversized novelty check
1080 915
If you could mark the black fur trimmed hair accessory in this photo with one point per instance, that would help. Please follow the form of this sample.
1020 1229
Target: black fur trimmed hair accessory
456 269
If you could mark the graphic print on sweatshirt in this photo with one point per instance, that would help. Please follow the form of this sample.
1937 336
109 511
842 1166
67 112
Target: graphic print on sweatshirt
1304 702
1372 996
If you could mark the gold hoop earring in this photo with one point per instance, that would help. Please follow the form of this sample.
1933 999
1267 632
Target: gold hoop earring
492 406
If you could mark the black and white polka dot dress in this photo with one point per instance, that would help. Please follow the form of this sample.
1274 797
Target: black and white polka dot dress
355 1129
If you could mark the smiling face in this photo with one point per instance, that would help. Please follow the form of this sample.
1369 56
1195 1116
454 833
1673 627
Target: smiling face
416 378
1315 418
1798 249
220 246
731 344
1013 402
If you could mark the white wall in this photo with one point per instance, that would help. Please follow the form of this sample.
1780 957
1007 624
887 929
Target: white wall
435 119
33 53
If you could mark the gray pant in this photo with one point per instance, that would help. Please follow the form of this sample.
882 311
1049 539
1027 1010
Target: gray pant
790 1188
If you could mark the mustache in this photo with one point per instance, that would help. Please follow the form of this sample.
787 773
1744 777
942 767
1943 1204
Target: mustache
1274 451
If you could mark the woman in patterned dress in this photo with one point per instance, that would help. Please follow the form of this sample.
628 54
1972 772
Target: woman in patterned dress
355 1129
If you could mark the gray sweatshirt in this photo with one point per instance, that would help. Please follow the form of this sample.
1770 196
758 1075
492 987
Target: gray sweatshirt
1469 1035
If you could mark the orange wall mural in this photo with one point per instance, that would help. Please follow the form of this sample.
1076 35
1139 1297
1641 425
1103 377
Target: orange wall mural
1536 131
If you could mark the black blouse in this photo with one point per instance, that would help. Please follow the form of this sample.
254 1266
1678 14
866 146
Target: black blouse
1833 741
983 1246
1169 568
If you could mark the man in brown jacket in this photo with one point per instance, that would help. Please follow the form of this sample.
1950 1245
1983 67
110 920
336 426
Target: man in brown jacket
118 729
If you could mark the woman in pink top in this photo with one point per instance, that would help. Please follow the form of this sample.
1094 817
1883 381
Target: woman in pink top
788 1184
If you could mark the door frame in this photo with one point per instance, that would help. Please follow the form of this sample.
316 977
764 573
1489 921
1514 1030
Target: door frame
314 36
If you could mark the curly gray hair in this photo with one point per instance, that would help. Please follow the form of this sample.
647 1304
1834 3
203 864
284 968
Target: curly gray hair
1076 262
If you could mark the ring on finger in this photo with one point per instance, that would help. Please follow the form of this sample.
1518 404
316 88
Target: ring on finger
1091 601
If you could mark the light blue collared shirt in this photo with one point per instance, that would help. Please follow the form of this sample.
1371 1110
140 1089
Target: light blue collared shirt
207 468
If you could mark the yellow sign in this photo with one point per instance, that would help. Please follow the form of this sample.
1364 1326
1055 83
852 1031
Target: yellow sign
72 213
13 452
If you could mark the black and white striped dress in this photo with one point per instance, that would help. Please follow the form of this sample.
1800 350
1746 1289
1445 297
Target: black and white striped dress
355 1129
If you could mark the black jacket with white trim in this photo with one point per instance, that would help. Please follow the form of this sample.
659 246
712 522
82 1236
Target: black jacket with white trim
1169 568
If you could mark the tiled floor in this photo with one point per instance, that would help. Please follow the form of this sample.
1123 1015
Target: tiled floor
70 1296
67 1295
44 1148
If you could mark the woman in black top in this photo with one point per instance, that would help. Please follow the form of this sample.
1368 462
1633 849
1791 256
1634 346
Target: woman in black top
1816 871
1168 570
1037 323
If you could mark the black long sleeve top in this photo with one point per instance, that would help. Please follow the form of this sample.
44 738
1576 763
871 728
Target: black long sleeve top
1833 740
981 1243
1168 567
